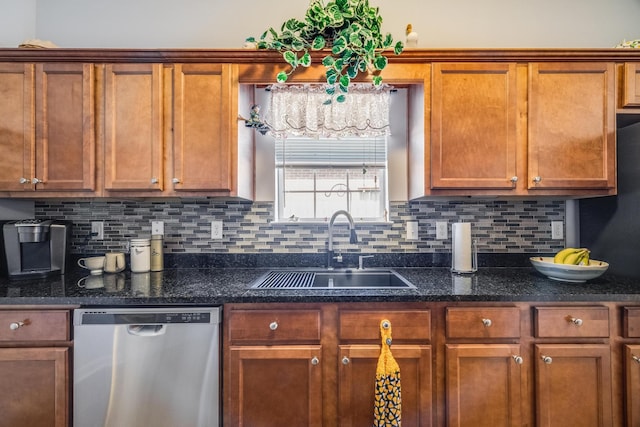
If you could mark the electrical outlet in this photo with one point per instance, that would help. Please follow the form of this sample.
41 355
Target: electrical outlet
441 230
157 227
412 230
557 230
97 230
216 229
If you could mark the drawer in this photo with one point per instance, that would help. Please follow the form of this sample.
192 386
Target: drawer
573 322
483 322
34 325
631 322
274 325
406 325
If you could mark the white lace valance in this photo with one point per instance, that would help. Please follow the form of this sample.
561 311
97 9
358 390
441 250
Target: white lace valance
300 110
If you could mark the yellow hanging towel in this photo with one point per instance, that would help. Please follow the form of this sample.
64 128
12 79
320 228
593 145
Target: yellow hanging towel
388 403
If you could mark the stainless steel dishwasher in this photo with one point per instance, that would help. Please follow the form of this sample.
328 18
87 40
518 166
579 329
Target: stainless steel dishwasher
146 367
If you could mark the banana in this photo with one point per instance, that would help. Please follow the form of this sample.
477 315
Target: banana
560 256
573 256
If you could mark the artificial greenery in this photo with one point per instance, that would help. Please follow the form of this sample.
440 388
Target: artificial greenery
350 28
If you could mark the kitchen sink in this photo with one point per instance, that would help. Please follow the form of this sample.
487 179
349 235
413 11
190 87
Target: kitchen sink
322 278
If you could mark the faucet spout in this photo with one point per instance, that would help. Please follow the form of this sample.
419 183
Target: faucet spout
353 237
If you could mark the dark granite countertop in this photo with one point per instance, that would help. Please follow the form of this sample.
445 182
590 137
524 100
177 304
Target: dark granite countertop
215 286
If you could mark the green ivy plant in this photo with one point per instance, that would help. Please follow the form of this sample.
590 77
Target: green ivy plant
350 28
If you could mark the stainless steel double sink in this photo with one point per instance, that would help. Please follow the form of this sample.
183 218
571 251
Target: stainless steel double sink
322 278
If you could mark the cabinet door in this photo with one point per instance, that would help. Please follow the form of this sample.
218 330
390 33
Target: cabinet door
17 133
572 128
357 373
134 145
484 385
203 111
632 368
573 385
274 386
65 131
34 390
474 126
631 85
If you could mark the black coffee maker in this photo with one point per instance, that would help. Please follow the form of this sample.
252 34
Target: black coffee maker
34 247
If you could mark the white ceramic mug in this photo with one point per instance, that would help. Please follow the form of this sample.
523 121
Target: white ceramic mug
114 262
91 282
94 264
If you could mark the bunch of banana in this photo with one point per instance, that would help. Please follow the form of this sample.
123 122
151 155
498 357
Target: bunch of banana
574 256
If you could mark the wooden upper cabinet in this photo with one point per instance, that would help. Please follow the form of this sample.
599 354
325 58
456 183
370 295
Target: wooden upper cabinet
65 130
572 126
630 96
474 125
203 143
49 127
17 132
133 136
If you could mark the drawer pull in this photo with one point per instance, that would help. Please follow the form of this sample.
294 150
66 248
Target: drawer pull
518 359
315 361
576 321
16 325
546 359
345 360
273 326
635 358
487 323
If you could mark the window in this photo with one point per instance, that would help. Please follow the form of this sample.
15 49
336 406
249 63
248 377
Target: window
316 177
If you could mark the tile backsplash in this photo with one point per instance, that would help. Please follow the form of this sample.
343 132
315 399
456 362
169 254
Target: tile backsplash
501 226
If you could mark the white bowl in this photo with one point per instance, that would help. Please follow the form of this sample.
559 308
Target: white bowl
569 272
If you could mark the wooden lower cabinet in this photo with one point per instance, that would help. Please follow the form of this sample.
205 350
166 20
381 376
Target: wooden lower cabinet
34 368
275 386
34 389
632 384
357 369
573 385
462 364
484 385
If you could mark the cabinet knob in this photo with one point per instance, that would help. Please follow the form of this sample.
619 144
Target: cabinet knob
518 359
546 359
315 360
636 358
487 322
154 180
36 181
576 321
16 325
273 326
175 181
23 180
537 179
345 360
514 179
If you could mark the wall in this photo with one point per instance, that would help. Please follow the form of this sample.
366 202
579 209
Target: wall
609 226
213 24
499 226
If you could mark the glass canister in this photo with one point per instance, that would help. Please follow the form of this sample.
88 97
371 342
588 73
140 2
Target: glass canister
157 253
140 255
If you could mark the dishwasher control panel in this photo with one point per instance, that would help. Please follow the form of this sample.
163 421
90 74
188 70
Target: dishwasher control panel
146 316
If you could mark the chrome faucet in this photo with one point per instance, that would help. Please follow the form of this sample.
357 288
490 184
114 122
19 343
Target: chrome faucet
352 239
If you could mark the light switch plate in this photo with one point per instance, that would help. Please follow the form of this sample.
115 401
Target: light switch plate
216 230
441 230
412 230
157 227
97 230
557 230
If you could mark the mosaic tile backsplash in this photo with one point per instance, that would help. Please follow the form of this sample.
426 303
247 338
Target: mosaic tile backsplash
501 226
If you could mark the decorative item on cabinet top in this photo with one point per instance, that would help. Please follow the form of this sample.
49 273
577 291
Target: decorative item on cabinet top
350 28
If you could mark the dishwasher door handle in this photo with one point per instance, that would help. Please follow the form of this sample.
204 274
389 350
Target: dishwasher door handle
146 330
